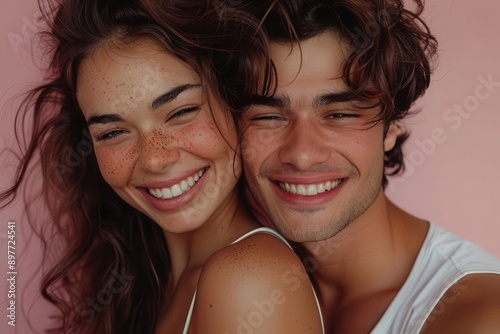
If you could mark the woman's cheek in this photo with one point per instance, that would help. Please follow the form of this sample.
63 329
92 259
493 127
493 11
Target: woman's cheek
116 164
199 136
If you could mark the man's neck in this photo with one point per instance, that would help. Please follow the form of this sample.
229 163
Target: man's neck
366 263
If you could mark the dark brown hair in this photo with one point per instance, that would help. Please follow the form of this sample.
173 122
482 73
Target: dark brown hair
392 50
113 261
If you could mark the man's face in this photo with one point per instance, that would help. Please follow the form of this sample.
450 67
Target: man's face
313 156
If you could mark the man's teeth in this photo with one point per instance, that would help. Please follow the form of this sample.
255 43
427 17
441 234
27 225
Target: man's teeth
309 189
177 189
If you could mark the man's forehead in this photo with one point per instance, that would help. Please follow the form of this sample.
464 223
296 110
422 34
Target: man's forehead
328 38
318 58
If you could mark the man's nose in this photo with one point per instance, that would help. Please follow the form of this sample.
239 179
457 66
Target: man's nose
304 146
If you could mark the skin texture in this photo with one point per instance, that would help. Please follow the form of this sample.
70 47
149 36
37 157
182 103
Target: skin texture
156 148
256 301
153 127
360 246
351 149
470 306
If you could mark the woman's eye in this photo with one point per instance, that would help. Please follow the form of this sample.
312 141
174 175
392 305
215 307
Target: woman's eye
109 135
185 111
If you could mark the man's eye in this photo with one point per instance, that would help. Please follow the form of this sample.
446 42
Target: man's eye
342 116
266 118
109 135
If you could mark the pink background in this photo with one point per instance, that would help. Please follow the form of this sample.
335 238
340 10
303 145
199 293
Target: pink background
453 155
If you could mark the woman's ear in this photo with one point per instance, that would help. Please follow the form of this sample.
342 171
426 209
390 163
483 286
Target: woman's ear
391 136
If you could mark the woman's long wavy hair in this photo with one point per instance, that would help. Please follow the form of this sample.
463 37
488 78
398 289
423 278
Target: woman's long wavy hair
114 262
392 50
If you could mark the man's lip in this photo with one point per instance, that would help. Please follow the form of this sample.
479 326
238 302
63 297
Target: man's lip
306 180
314 199
310 189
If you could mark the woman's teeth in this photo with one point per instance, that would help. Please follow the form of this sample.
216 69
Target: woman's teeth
178 188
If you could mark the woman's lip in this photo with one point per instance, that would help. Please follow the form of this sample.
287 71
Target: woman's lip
179 188
169 183
175 203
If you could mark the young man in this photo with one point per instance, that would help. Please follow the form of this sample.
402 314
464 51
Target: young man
316 154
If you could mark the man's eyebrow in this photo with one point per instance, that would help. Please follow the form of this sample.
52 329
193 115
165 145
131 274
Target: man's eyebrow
282 101
171 94
103 119
334 97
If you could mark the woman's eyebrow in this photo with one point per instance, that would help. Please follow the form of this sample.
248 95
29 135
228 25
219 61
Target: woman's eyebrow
103 119
171 95
157 102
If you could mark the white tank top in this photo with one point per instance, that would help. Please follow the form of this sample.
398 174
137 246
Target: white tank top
257 230
442 261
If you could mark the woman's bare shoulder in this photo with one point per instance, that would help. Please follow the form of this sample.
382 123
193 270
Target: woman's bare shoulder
258 282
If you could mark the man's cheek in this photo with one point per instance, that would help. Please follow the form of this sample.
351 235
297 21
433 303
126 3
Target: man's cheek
257 210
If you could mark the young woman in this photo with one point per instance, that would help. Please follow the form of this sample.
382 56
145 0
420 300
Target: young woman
140 169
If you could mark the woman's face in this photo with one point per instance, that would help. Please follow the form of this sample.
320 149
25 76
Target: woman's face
155 138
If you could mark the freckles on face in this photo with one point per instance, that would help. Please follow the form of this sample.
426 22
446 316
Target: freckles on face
212 134
116 163
218 137
137 141
202 135
212 137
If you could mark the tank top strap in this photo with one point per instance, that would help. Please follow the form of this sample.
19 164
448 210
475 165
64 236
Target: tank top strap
263 230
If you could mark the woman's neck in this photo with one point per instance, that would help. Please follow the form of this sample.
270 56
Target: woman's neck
189 251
